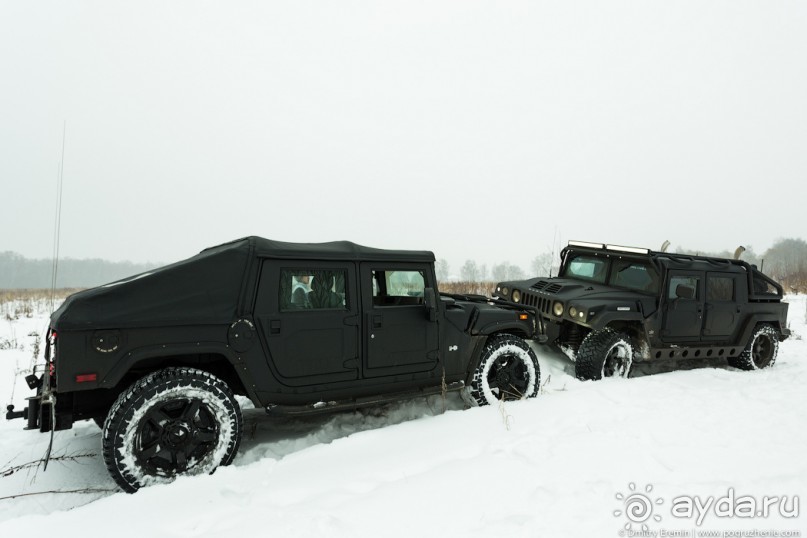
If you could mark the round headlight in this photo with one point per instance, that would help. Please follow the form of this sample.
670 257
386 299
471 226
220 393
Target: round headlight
557 308
572 311
505 291
516 296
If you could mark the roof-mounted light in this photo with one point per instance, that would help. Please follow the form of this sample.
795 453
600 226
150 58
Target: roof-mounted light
586 244
632 250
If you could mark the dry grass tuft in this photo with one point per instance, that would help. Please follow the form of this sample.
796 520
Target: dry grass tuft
16 304
468 288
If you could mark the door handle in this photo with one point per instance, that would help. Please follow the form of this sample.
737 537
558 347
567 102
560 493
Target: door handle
274 326
378 320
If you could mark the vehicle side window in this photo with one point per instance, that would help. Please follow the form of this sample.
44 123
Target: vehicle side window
719 288
395 288
683 287
762 287
635 276
312 289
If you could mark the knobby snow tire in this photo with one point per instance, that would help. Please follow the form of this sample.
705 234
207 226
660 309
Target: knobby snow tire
761 350
604 353
508 370
175 421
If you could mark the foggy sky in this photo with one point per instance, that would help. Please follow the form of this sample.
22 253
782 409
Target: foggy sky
483 130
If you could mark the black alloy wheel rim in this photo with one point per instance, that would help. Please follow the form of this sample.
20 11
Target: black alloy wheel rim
762 351
613 362
508 379
175 435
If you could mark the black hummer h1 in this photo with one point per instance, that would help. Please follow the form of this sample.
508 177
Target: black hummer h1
297 328
611 307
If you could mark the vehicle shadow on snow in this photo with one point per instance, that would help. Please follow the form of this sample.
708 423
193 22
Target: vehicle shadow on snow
271 436
77 476
557 368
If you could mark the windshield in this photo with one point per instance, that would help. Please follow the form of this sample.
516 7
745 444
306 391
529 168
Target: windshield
638 275
587 268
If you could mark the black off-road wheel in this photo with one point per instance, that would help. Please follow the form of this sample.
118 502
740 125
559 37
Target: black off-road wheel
604 353
761 350
508 370
176 421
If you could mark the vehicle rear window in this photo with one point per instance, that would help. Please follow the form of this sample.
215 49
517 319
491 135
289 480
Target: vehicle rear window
719 288
312 289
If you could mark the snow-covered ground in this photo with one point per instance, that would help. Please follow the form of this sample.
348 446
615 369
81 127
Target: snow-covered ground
564 464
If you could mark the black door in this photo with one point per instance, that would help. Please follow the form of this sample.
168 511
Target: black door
399 338
308 317
683 310
722 310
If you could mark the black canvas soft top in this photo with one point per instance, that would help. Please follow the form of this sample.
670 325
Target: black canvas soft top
203 289
334 250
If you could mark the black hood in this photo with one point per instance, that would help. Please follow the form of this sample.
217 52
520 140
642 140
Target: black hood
567 289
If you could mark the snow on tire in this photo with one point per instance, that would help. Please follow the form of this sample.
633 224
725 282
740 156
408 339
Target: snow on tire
508 370
173 421
604 353
761 350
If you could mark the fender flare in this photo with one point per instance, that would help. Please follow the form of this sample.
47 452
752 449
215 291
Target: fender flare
136 356
605 319
744 336
526 327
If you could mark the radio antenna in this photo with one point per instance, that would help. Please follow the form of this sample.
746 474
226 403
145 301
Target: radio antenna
47 394
555 246
57 225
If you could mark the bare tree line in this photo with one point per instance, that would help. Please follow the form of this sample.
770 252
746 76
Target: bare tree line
785 262
18 272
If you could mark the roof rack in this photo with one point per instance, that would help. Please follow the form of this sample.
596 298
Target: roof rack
602 246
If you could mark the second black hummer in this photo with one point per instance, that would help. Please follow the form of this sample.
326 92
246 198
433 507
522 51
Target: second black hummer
612 308
296 328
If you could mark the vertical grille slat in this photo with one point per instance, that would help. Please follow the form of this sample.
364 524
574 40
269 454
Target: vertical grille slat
541 303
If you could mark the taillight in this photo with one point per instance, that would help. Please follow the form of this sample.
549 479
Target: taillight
84 378
52 361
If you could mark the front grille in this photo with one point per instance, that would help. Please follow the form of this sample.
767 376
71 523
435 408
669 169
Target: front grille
542 303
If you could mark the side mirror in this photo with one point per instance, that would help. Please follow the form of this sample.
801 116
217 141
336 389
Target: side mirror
430 300
684 292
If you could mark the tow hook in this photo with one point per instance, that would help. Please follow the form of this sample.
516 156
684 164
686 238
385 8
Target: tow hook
11 414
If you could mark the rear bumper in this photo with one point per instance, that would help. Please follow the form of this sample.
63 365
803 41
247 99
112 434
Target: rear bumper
33 414
41 413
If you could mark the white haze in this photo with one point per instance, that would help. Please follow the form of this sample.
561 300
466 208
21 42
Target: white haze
482 130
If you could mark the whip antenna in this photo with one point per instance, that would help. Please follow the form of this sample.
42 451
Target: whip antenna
47 393
57 225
